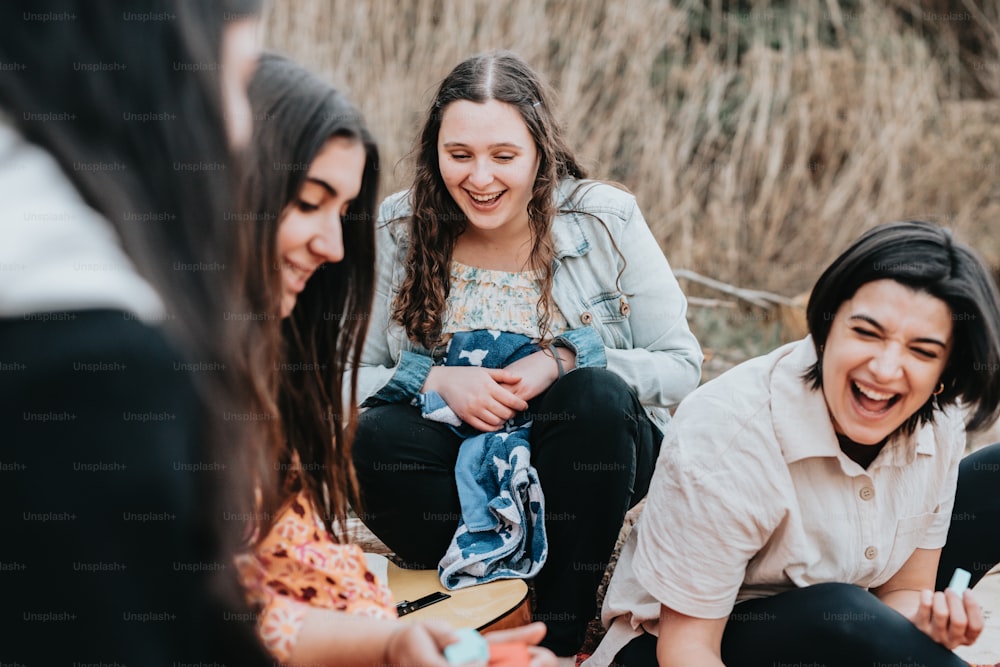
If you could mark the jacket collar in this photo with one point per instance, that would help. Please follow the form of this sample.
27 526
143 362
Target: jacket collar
569 237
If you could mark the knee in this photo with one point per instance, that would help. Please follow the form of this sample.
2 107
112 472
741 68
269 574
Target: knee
852 615
982 463
594 392
370 442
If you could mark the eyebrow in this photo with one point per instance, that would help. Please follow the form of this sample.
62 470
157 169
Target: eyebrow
329 188
874 323
502 144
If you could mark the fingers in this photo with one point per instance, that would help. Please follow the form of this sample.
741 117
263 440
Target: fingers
923 617
939 618
421 644
957 619
500 406
489 415
505 396
481 425
528 634
949 618
541 657
974 613
503 376
441 633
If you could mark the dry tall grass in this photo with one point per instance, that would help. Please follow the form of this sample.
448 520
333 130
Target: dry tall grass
758 141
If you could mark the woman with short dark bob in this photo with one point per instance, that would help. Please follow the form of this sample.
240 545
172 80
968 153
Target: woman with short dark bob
801 503
501 231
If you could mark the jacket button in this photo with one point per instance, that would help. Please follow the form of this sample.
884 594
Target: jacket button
625 307
870 553
586 318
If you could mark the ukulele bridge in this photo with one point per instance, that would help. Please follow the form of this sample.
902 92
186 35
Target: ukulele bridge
405 607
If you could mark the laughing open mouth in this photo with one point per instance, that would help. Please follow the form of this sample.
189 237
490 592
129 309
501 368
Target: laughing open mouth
872 400
486 199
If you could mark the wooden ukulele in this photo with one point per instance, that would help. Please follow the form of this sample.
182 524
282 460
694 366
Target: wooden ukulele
493 606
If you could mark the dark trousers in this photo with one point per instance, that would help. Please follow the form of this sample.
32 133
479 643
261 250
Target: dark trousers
841 625
594 449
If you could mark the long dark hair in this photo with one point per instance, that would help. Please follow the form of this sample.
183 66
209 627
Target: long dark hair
137 85
438 221
925 257
295 114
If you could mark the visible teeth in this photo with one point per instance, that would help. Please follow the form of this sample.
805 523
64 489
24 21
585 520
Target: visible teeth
872 394
485 199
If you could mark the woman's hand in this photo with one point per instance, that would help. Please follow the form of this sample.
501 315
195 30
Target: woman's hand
481 397
419 644
948 618
528 634
424 643
539 371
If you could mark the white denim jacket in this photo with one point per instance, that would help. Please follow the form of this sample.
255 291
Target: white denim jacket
640 332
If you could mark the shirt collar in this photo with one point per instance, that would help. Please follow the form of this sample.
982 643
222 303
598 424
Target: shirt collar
802 422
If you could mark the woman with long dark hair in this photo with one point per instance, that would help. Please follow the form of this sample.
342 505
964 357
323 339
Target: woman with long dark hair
310 191
122 405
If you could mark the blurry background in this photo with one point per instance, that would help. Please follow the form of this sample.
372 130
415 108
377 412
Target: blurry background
759 138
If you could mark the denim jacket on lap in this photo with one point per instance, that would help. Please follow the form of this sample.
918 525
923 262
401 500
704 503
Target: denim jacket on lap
640 332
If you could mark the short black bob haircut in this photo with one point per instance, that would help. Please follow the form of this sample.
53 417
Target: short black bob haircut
924 257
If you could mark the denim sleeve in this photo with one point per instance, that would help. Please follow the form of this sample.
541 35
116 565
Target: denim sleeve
588 346
406 381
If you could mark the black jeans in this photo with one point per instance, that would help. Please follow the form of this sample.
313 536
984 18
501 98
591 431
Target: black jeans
594 449
841 625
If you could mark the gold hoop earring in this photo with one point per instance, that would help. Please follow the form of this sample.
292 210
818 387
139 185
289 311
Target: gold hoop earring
940 388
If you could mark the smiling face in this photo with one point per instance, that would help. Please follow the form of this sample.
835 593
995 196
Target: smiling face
488 161
310 232
887 349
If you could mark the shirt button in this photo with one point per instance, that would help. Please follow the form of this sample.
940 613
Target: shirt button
625 307
586 318
870 553
867 493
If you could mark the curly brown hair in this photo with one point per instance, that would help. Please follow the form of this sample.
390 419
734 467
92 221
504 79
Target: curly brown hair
437 221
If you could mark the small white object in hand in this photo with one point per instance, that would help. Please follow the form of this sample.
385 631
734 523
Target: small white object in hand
960 581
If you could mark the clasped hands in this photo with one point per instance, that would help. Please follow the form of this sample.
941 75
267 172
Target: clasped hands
485 398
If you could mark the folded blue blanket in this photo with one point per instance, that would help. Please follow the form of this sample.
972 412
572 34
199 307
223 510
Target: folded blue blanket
501 534
515 546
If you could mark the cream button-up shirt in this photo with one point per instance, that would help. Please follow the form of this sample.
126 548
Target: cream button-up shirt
753 496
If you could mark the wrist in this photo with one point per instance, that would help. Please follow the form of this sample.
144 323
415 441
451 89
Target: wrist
566 356
430 382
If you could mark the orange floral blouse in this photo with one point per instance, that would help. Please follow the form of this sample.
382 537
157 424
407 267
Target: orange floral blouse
298 564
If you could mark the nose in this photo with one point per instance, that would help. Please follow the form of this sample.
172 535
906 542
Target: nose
328 240
481 175
887 363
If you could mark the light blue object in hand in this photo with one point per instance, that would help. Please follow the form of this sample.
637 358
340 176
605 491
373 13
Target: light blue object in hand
960 580
470 647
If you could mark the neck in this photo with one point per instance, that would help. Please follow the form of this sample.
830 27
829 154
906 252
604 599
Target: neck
863 455
498 250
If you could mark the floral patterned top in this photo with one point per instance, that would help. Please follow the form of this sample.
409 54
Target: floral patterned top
298 564
497 300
